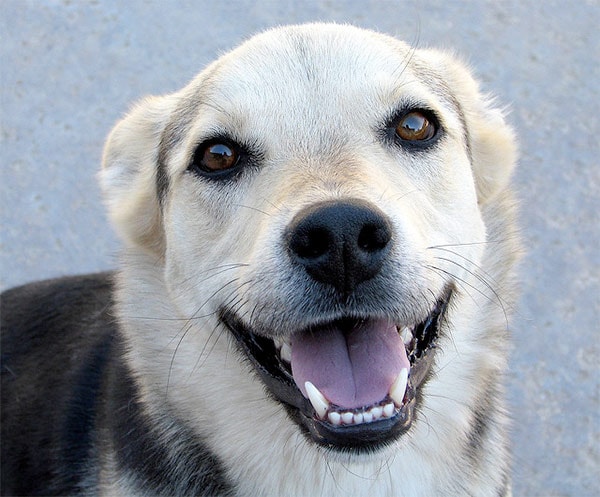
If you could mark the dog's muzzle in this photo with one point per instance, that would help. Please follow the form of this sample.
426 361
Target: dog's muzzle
350 383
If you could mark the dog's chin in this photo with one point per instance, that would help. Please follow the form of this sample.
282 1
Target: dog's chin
352 429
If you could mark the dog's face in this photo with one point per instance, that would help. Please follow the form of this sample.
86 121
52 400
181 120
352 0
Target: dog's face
317 195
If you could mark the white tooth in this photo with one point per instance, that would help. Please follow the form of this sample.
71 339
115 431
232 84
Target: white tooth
317 399
286 352
347 418
278 342
388 410
406 335
367 416
398 388
376 412
335 418
358 418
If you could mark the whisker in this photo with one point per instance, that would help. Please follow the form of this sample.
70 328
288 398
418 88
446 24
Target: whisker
466 244
498 300
478 275
475 275
187 327
466 259
196 315
219 270
183 335
460 282
199 365
230 303
253 209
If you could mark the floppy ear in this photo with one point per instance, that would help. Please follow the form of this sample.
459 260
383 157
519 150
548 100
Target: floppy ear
493 148
491 140
128 175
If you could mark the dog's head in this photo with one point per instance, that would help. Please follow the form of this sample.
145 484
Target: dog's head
320 193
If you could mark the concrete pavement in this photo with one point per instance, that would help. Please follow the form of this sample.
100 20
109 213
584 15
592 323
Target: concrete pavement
69 69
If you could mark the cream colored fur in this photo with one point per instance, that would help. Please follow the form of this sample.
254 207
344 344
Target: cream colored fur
314 111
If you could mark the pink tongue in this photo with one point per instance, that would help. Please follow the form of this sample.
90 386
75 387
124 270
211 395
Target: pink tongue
352 369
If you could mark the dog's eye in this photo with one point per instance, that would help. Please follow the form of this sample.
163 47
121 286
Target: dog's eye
415 126
216 157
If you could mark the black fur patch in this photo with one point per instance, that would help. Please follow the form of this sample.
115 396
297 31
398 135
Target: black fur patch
172 136
161 455
67 395
49 329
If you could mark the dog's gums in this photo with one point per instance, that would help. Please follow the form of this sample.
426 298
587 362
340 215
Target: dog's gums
372 407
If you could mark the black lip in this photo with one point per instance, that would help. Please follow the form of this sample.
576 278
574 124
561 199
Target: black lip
262 354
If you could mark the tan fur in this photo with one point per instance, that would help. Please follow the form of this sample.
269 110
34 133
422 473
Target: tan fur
209 245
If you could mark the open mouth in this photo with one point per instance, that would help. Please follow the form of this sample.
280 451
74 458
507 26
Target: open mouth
352 383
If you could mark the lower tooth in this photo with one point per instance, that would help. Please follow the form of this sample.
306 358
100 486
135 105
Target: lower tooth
367 416
335 418
358 418
388 410
377 412
347 418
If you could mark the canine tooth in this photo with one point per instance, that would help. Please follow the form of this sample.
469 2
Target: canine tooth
367 417
406 335
376 412
388 410
398 388
335 418
358 418
286 352
278 342
347 418
317 399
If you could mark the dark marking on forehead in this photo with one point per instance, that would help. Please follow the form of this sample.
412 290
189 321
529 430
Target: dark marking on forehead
304 63
162 178
179 124
173 134
439 87
447 95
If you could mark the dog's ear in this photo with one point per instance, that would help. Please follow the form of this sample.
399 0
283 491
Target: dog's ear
492 143
128 175
493 147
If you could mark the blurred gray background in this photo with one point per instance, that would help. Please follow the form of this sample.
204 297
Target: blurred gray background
69 69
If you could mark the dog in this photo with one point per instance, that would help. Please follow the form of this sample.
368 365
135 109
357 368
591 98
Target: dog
313 295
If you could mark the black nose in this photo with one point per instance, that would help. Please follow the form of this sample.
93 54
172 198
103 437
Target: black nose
340 243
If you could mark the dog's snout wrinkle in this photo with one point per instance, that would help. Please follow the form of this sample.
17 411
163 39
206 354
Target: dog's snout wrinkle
340 243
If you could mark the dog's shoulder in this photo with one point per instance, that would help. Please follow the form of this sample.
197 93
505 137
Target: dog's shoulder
63 379
59 315
56 338
39 306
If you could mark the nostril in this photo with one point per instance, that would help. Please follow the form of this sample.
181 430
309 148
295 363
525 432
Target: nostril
310 243
374 237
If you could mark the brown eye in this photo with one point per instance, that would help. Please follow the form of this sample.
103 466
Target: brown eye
218 157
415 126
